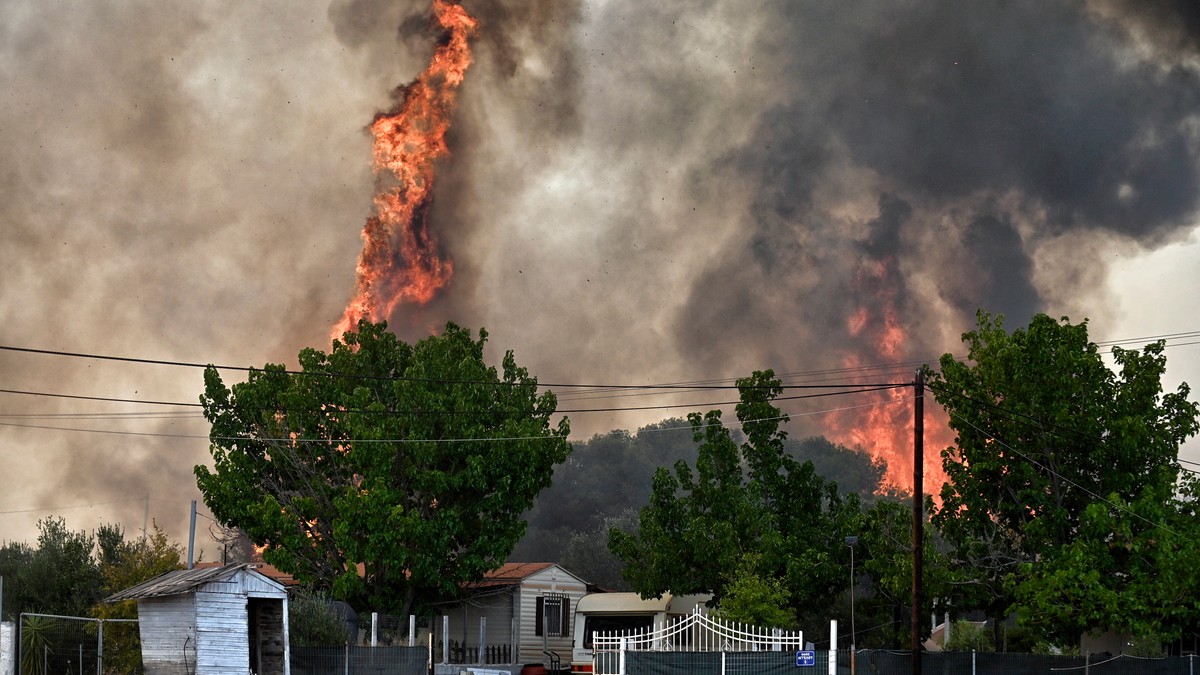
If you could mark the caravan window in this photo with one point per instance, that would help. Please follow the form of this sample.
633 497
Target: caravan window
608 624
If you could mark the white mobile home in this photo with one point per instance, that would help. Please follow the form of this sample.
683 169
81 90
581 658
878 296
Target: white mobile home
526 609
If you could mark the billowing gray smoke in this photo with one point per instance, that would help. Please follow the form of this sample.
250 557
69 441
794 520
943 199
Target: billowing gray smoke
638 191
728 189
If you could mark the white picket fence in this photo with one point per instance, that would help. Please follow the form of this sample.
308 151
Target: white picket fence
695 632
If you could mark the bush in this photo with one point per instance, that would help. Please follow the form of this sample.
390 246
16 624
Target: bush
312 621
969 636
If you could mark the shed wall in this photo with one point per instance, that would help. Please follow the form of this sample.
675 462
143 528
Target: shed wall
222 633
168 633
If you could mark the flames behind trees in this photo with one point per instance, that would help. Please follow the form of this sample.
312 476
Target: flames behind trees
400 262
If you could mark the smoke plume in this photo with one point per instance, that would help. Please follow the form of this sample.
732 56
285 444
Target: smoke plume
635 192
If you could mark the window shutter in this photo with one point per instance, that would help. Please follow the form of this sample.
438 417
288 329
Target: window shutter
537 620
566 616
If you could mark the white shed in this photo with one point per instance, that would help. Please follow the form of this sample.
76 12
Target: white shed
212 621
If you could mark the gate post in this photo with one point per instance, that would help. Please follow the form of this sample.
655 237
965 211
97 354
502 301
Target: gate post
482 638
833 647
621 659
445 638
100 647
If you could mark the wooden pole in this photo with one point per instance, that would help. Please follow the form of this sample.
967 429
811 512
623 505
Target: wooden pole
918 505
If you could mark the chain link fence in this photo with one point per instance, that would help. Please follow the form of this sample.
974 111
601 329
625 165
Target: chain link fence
73 645
358 660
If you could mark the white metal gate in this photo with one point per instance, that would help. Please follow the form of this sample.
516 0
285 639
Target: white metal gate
696 632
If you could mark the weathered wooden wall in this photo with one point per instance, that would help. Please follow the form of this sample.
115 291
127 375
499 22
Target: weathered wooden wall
222 632
168 631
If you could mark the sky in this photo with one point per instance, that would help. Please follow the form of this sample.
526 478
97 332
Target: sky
636 193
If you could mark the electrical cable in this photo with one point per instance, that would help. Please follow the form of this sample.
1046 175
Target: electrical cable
1041 424
394 440
853 389
188 364
1065 479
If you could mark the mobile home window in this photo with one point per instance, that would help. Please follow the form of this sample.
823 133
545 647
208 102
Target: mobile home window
553 617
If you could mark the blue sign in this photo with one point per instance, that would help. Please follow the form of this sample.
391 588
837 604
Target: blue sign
806 658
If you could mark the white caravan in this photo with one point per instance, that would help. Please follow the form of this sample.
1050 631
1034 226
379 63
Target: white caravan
608 612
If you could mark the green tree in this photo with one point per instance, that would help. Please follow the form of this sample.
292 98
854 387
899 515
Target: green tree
611 473
603 478
15 558
1044 429
126 563
755 498
756 599
587 556
1132 566
62 576
885 558
385 473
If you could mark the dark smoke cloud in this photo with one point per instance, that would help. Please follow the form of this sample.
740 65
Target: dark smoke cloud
771 188
1170 28
637 191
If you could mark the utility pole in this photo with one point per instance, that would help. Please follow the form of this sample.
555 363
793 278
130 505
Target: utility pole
918 514
192 536
851 541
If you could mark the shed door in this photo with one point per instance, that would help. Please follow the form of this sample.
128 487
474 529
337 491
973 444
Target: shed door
266 635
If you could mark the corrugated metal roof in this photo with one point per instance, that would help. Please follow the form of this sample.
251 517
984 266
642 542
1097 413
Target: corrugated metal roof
177 582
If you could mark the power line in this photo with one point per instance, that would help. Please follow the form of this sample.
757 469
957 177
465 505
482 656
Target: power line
701 384
101 416
186 364
852 389
1063 478
106 399
1013 414
412 440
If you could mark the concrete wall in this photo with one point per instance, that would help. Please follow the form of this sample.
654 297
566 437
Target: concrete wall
8 648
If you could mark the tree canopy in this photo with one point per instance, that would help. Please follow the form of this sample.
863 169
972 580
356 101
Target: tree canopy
58 576
747 519
608 478
1056 454
386 473
71 572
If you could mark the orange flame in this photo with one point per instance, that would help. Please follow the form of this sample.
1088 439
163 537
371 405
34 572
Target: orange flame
884 427
400 261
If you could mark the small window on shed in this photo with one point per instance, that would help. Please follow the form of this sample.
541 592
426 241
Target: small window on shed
553 617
